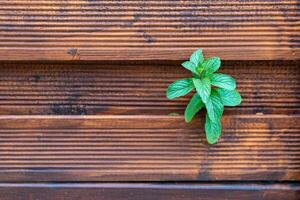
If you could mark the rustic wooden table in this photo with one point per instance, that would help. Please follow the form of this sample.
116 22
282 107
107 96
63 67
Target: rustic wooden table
83 112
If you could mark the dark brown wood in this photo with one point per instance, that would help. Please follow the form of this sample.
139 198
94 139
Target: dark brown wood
147 30
142 141
144 147
138 88
73 130
149 191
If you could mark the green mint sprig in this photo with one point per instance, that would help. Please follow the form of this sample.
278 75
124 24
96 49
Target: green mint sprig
213 91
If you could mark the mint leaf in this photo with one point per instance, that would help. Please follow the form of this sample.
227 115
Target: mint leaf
223 81
203 88
197 57
214 99
180 88
190 66
229 97
213 130
211 65
193 107
214 106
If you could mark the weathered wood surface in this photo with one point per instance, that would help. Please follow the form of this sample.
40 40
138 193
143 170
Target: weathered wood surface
142 141
68 129
136 88
152 148
148 30
136 191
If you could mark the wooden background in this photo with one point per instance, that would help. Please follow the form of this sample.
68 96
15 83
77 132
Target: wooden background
83 112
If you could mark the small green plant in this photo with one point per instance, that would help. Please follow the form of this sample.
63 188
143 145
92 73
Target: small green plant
213 91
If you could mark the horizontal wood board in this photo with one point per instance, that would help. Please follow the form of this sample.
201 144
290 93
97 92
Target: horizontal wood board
152 148
148 30
135 191
138 88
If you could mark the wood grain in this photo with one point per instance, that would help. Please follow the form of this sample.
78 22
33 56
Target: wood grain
134 191
56 124
129 88
152 148
140 143
98 124
148 30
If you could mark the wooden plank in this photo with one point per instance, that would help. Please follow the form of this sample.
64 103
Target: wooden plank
145 147
96 191
148 30
138 88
